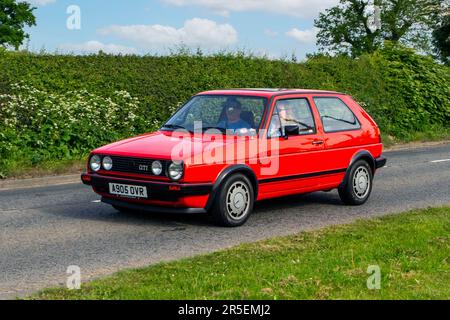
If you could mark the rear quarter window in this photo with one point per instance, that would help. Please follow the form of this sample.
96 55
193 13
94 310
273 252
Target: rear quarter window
336 115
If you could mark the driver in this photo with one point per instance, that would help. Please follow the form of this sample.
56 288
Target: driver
233 121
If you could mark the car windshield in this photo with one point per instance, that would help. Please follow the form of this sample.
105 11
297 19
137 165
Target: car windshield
227 113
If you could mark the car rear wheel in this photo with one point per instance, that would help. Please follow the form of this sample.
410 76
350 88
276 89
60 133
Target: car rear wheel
358 186
234 202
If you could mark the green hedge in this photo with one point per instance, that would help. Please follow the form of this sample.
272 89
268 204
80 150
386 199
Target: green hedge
403 91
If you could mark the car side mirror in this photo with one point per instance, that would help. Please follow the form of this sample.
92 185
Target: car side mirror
291 130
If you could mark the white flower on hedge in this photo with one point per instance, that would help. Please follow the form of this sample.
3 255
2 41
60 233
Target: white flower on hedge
27 110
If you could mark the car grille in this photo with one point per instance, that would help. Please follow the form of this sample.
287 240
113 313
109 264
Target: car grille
135 165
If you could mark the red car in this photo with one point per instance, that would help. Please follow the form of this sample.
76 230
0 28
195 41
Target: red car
225 149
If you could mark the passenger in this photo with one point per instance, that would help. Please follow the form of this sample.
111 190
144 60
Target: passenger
284 117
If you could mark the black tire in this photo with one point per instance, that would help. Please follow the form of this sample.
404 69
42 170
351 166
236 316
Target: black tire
238 190
356 191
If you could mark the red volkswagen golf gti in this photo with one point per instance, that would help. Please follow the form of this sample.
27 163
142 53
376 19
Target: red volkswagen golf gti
224 150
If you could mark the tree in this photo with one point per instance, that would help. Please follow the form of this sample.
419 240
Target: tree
14 16
350 27
441 38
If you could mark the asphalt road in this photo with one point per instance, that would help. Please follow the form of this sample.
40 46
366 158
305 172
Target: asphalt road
44 230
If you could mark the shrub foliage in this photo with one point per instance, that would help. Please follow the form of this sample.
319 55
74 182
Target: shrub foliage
61 106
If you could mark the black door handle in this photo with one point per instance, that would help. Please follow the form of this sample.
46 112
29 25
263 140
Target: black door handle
317 142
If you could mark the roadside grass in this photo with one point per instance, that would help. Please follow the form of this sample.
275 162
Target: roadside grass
22 169
412 250
432 134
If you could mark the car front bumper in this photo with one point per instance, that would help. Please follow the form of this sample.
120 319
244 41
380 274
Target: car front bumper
380 162
151 208
163 196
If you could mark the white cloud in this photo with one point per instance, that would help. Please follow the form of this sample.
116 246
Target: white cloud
303 36
270 33
40 2
194 33
95 47
264 53
296 8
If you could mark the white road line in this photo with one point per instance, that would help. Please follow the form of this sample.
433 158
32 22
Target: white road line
437 161
96 201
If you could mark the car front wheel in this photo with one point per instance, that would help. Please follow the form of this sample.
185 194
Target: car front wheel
234 202
358 187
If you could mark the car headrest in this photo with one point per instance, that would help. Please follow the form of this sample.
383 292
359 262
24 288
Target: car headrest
248 117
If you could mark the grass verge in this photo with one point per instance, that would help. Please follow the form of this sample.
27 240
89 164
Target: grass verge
411 249
22 169
433 134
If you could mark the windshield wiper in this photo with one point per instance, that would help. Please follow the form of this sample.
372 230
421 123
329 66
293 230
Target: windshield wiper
221 129
341 120
175 126
307 127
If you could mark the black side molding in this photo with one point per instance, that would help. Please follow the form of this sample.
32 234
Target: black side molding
303 176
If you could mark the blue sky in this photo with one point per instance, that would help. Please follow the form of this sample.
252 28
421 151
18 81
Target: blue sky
276 28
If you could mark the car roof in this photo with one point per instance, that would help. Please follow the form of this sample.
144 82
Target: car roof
266 92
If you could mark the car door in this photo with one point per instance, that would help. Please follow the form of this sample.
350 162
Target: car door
292 126
343 135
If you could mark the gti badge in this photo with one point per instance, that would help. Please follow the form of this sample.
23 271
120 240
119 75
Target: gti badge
143 167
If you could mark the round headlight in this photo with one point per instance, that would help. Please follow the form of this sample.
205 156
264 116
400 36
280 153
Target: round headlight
107 163
156 168
175 171
95 163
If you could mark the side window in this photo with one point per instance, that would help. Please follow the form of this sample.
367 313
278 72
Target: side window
292 117
336 115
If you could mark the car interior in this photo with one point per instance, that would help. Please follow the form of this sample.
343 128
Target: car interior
247 115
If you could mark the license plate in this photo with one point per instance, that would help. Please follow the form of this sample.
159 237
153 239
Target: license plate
128 190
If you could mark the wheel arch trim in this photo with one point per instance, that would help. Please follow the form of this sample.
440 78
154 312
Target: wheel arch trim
360 155
227 172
